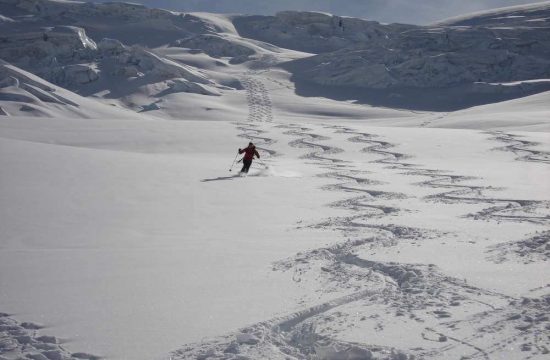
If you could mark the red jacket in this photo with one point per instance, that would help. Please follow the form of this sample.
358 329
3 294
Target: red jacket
249 152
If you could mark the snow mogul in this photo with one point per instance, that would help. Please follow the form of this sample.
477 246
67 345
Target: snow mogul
249 153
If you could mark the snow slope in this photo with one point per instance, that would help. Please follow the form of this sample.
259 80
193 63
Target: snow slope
528 114
139 246
364 232
161 255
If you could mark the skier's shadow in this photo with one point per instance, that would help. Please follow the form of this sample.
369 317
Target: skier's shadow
221 178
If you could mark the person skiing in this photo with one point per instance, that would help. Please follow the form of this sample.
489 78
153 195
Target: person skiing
249 153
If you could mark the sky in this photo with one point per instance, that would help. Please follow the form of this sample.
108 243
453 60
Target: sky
404 11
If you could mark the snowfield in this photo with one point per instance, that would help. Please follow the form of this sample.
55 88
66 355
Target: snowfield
363 232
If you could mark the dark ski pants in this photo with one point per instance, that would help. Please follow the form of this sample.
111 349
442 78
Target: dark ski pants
246 165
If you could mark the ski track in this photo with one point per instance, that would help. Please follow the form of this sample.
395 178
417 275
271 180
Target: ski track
401 274
502 210
294 336
520 147
532 249
344 267
260 109
420 292
23 341
413 290
524 321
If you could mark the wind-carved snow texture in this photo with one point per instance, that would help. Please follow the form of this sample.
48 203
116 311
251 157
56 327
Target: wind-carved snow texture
23 341
521 147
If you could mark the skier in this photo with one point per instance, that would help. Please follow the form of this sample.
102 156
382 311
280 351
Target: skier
249 153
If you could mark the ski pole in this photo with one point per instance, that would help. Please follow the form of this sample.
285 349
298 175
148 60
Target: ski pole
236 156
262 162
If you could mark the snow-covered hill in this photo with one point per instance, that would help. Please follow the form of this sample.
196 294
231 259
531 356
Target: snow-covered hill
25 94
138 56
454 67
79 46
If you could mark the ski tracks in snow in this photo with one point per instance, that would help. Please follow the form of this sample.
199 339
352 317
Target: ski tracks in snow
450 315
502 208
411 289
415 296
429 285
22 341
520 147
257 96
260 110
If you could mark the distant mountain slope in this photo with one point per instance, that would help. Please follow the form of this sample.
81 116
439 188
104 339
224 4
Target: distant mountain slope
427 68
315 32
390 11
140 57
534 15
129 23
108 50
531 113
24 94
